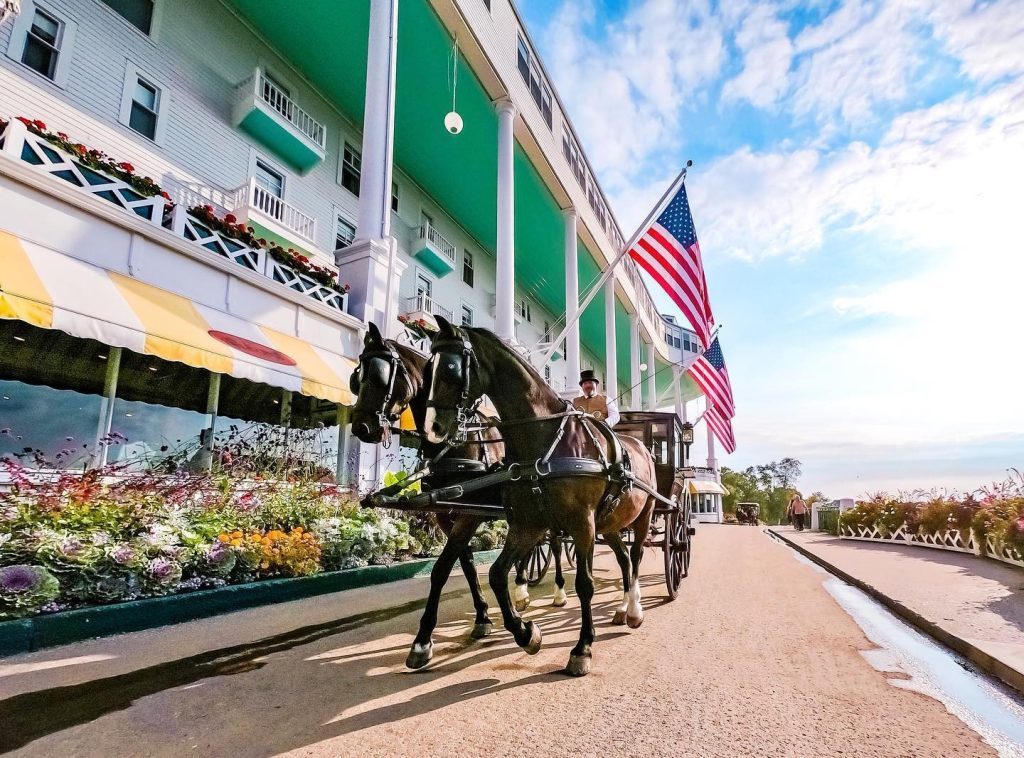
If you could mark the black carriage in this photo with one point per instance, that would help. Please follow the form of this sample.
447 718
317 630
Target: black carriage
748 513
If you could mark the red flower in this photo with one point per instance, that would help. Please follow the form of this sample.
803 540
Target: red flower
39 125
208 208
62 136
164 195
230 219
127 167
25 121
80 148
301 258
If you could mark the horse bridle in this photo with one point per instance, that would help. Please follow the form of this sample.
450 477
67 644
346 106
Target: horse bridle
395 366
456 355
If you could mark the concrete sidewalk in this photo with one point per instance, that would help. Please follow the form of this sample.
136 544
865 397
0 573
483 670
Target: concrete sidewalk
973 605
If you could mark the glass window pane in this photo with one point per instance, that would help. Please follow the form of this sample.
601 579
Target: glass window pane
142 120
139 13
39 57
146 94
58 423
46 27
269 179
155 437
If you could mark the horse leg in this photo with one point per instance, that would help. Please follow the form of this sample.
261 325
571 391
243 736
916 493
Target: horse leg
614 540
581 659
521 595
559 599
641 527
458 541
518 543
482 626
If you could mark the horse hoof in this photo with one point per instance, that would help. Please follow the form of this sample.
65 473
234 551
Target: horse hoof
634 622
522 604
579 665
559 600
481 630
619 619
533 646
420 655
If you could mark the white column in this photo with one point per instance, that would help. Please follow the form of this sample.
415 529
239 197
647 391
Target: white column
504 322
712 461
374 221
370 264
652 381
107 407
611 374
635 380
572 298
677 378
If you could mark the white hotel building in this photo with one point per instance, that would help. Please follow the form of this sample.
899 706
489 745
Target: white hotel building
127 312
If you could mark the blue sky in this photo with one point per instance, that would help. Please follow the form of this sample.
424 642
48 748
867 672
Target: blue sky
855 190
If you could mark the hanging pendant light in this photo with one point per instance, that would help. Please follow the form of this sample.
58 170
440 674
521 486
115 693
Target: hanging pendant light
452 120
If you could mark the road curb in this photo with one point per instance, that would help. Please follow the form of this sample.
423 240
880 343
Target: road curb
38 632
985 661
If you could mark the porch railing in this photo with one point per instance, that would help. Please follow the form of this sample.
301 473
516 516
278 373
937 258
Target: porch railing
270 205
435 238
424 303
283 105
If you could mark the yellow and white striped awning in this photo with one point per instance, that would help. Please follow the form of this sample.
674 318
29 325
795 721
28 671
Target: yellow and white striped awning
706 487
54 291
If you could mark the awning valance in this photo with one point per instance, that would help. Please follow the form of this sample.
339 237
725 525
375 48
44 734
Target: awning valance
54 291
706 487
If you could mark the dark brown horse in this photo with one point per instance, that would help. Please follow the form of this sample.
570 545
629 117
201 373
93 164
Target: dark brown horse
538 426
390 378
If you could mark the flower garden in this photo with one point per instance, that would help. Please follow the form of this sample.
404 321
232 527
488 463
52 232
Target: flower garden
989 522
72 539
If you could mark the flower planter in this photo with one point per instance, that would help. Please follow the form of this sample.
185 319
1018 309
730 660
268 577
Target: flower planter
950 540
38 632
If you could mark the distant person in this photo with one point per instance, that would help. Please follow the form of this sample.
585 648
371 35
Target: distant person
798 511
593 402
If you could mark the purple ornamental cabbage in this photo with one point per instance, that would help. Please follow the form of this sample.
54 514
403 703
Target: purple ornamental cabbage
25 589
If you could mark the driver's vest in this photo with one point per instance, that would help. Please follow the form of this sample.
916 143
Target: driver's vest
596 406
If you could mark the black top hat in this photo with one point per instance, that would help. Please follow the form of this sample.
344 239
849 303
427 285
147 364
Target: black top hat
587 375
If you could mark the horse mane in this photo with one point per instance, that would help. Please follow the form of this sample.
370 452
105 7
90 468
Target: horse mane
415 363
540 383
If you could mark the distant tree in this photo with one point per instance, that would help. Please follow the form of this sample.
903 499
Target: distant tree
771 485
742 487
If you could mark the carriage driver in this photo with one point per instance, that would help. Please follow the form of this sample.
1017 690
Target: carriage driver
594 403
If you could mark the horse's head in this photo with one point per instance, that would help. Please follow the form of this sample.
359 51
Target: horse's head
456 383
382 387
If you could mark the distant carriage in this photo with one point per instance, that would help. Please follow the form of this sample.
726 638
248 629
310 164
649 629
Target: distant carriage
748 513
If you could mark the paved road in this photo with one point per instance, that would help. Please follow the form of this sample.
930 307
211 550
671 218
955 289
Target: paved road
753 658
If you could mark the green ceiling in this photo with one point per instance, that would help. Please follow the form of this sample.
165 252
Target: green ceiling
327 41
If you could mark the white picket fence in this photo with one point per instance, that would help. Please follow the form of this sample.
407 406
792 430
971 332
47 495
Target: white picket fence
952 540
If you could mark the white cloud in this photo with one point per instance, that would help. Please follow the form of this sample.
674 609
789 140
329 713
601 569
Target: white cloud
767 53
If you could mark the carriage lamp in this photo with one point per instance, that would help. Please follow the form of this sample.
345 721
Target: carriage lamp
687 436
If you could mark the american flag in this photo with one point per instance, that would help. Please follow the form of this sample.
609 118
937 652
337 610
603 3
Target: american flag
722 428
711 375
668 250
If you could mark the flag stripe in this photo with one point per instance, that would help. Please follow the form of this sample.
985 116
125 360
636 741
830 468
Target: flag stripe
686 306
722 429
713 377
662 258
714 392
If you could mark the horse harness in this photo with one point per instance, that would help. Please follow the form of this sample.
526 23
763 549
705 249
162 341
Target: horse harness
457 361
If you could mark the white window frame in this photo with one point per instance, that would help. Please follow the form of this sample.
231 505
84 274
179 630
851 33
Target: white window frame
339 216
472 314
273 166
357 149
423 276
155 22
19 35
131 75
467 256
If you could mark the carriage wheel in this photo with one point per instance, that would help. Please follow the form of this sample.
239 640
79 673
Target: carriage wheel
676 547
569 550
538 562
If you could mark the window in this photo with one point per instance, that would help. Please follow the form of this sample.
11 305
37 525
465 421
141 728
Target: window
394 196
523 309
547 332
424 285
547 373
467 267
351 168
269 179
43 43
529 68
145 108
467 316
138 13
345 235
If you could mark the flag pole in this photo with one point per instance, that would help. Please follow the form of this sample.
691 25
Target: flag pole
670 192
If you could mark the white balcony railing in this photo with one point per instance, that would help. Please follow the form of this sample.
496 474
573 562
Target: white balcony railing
270 205
284 106
429 233
423 303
